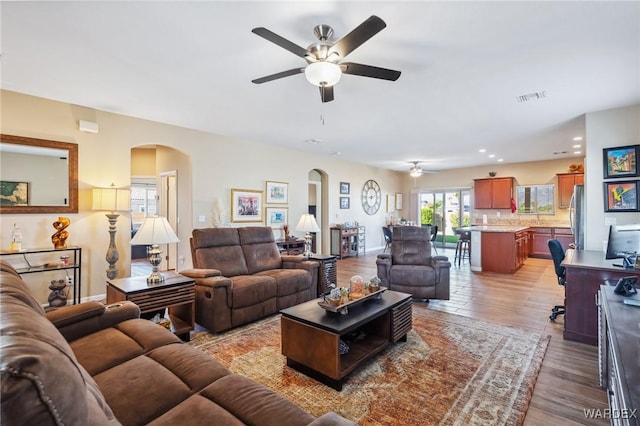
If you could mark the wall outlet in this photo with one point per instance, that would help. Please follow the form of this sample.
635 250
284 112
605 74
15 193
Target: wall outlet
201 218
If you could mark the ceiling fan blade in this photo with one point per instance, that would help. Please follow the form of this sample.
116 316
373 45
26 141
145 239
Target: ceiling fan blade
326 93
369 71
359 35
281 41
278 75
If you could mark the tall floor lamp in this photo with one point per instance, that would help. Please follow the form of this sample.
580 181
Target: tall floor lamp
113 200
307 224
155 230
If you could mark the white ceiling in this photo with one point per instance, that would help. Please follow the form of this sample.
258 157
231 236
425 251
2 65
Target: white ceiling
463 65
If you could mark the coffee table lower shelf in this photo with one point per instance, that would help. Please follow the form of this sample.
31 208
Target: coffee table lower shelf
313 348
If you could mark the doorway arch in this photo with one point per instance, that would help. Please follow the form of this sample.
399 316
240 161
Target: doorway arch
160 164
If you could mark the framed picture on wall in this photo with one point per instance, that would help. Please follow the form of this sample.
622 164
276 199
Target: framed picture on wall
398 200
277 217
345 203
277 192
621 161
246 205
621 196
345 187
391 203
14 193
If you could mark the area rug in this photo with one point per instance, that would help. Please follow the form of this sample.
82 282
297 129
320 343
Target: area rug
452 370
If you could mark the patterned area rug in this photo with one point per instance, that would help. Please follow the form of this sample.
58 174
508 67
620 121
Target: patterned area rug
452 370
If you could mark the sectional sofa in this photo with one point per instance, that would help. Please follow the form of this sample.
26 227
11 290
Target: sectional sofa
91 364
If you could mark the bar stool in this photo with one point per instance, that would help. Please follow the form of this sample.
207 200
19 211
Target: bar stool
463 247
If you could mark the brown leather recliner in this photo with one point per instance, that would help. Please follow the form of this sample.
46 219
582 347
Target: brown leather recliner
241 277
410 268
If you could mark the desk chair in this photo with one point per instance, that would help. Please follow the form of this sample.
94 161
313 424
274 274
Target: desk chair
557 254
387 237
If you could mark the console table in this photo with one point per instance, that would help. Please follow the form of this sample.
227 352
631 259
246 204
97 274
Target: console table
74 264
619 344
291 246
586 271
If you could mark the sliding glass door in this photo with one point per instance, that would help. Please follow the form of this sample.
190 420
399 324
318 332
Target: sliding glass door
447 210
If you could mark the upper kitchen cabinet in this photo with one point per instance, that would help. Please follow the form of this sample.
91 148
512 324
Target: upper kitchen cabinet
493 193
566 181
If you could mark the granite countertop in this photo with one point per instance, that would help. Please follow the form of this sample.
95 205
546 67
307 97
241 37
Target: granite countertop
497 228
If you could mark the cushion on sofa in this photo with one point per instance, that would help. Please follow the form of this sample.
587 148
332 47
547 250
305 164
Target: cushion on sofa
219 248
177 372
259 248
32 390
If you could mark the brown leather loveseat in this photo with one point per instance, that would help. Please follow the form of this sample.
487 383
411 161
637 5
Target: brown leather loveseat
91 364
241 277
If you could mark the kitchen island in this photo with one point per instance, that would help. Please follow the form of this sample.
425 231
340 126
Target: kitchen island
502 249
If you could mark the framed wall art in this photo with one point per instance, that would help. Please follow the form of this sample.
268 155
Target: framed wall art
277 217
621 196
621 162
345 188
398 200
246 205
277 192
14 193
345 202
391 203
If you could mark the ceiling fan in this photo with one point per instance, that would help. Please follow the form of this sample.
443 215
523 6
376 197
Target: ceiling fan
324 67
417 171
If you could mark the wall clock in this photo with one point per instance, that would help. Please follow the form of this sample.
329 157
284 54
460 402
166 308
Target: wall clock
371 197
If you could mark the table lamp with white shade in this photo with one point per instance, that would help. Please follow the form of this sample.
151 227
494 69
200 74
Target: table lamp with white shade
307 224
155 230
113 200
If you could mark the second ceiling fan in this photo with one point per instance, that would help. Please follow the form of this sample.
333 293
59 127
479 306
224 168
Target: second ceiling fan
324 67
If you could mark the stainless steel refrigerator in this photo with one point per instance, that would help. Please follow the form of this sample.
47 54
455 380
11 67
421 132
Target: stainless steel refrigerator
577 216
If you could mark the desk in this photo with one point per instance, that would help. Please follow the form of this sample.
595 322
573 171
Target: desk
586 271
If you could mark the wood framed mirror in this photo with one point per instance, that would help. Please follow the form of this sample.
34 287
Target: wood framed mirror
38 175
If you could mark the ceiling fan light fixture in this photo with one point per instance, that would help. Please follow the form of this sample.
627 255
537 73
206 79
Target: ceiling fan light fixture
323 73
415 171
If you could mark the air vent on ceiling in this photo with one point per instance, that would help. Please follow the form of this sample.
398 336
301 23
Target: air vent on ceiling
532 96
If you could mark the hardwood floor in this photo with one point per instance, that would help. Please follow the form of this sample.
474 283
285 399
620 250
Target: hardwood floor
568 380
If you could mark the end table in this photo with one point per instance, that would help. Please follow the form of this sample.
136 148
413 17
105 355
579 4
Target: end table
176 294
328 272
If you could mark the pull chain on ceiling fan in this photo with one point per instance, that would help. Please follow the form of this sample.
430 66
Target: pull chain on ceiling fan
324 67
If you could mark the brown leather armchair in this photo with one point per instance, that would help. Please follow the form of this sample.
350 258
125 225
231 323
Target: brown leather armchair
410 268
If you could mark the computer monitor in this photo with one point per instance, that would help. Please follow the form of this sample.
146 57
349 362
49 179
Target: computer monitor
624 240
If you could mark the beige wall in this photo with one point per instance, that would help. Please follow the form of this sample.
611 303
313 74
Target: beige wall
143 162
606 129
215 165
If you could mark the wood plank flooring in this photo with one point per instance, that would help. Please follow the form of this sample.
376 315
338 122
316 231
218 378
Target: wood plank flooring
568 380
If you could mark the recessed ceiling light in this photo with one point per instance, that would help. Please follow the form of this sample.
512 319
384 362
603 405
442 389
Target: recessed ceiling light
577 152
577 138
577 146
313 141
336 153
491 155
482 150
500 159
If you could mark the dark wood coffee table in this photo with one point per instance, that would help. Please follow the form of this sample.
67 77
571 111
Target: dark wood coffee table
311 335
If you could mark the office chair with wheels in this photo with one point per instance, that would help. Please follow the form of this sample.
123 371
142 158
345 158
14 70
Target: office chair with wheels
387 237
557 254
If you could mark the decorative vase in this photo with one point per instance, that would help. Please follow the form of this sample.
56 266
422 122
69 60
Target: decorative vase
59 238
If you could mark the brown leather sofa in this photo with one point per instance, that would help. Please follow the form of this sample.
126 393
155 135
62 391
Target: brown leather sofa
91 364
241 276
410 268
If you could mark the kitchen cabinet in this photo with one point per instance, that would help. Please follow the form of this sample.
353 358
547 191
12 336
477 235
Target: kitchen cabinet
539 235
504 252
493 193
566 181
